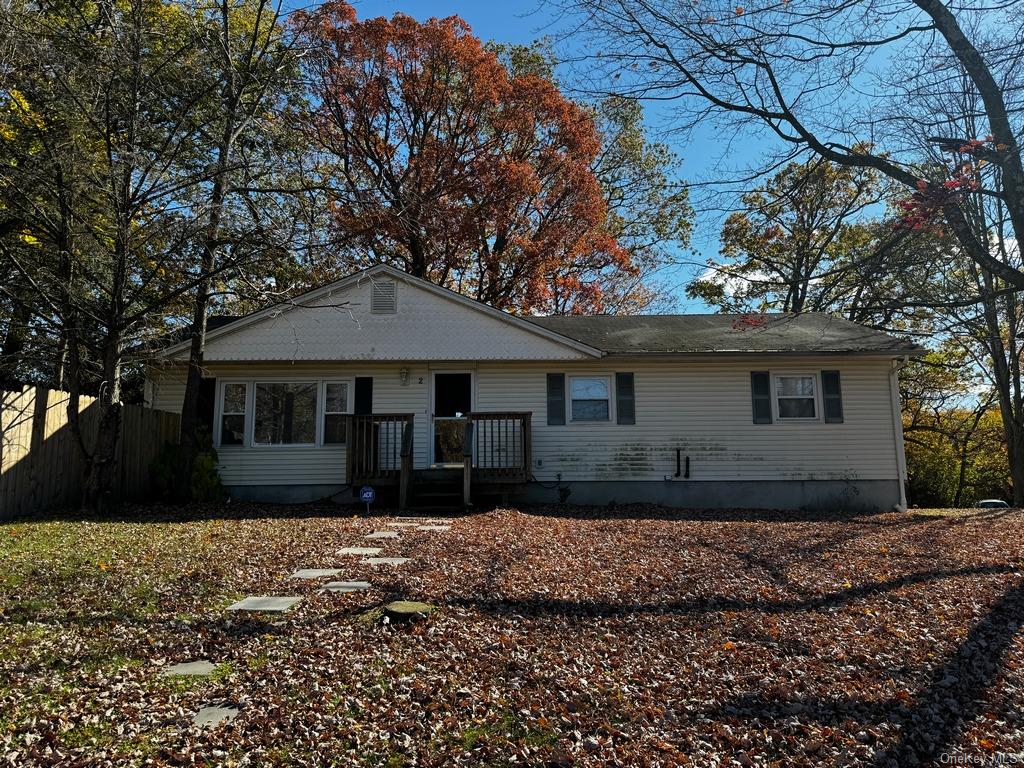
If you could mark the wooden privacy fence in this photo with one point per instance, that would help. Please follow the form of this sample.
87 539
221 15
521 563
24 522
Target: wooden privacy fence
40 462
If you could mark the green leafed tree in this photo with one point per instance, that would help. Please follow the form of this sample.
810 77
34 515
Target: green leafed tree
952 431
115 115
808 240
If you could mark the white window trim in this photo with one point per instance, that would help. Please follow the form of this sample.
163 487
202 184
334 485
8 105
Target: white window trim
817 397
611 398
322 407
250 409
218 421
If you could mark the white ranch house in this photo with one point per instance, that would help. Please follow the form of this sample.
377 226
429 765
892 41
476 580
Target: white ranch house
385 379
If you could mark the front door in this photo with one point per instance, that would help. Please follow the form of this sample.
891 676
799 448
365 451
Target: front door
453 400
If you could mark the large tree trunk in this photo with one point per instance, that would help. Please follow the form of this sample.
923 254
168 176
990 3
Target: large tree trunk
1015 454
193 381
99 481
208 262
1006 379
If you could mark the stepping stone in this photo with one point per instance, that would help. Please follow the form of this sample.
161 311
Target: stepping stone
346 586
386 560
403 525
214 715
382 535
188 669
368 551
437 528
407 610
314 573
265 604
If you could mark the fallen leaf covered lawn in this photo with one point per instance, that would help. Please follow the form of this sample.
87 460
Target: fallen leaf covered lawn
561 636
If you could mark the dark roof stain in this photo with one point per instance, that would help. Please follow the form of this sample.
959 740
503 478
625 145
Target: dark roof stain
814 333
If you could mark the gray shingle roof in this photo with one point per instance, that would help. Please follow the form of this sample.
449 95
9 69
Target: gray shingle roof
673 334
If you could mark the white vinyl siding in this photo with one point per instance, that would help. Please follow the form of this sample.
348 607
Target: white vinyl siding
423 326
165 389
701 406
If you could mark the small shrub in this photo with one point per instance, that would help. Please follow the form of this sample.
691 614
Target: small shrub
205 482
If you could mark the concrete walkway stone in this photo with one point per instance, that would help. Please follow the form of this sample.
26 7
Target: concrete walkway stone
382 535
386 560
265 604
314 573
368 551
437 528
403 525
407 610
214 715
346 586
188 669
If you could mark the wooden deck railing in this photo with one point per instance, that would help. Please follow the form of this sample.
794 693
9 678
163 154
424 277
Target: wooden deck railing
467 464
376 448
501 446
405 479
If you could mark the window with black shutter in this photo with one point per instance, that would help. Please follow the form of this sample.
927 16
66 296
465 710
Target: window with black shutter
363 401
625 399
761 396
556 399
832 394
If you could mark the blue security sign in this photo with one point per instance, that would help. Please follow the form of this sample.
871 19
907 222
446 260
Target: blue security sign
367 495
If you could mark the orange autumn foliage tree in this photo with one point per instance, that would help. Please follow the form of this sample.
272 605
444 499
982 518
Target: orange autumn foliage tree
449 167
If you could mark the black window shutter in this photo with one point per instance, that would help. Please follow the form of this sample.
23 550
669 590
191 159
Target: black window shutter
556 398
761 396
207 401
625 399
832 393
362 403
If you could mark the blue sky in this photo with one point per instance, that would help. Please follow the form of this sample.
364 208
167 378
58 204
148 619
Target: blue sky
521 21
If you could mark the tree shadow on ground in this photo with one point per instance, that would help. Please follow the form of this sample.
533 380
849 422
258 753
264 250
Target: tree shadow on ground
930 722
540 606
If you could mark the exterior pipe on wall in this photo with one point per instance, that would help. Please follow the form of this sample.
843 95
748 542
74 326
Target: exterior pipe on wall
897 429
680 472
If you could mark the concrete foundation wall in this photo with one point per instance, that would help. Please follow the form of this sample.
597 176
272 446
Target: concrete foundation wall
855 495
833 495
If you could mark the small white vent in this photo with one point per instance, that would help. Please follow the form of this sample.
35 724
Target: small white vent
384 297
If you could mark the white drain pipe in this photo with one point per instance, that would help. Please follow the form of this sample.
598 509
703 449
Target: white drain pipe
897 428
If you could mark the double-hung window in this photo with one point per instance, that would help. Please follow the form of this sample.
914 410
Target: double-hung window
335 411
796 396
284 413
232 414
590 398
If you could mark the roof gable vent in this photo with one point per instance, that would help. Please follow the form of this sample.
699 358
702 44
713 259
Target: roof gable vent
383 297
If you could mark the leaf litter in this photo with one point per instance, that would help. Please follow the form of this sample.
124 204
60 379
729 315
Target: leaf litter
625 636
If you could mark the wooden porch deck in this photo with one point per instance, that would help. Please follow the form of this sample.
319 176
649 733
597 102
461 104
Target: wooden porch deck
496 453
